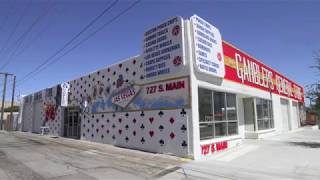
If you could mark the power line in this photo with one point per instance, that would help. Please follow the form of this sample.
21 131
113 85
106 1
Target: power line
24 35
71 40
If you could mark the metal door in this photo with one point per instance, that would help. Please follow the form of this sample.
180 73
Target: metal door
72 123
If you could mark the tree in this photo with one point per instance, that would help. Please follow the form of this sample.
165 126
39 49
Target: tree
313 90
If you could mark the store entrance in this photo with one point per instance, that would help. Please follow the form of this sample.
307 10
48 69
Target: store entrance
249 114
72 123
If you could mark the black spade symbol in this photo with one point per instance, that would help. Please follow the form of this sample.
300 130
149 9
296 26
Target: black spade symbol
142 126
184 144
142 114
183 112
141 77
161 128
97 120
142 140
161 142
83 134
127 127
102 136
127 139
160 113
92 125
127 114
88 130
92 135
97 130
183 128
113 115
102 126
102 115
113 126
113 137
108 120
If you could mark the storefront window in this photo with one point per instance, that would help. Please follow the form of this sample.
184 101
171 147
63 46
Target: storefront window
264 114
224 121
205 114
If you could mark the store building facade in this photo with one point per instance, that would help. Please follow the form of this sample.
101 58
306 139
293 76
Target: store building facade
189 94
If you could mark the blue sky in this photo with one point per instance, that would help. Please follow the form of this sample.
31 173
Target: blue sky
282 34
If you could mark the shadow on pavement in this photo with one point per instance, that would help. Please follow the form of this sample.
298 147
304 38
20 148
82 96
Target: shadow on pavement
306 144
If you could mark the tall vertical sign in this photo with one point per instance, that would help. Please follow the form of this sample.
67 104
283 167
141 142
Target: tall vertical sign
207 46
64 94
163 49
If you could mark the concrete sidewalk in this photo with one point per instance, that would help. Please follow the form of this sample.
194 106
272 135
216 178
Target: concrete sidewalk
293 155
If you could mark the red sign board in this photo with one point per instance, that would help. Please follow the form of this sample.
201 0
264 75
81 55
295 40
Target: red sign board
244 69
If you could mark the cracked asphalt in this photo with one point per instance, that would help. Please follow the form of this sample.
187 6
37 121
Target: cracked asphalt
25 156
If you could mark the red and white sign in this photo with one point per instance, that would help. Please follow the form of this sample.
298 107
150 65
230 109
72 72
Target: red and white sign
208 149
244 69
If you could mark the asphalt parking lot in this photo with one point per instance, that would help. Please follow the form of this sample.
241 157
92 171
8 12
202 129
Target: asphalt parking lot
30 156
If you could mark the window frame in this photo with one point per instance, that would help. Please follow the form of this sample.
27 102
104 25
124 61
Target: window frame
269 118
226 121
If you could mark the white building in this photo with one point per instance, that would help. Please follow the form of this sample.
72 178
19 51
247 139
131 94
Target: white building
188 94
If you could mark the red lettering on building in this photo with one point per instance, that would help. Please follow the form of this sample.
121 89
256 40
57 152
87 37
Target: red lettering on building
214 147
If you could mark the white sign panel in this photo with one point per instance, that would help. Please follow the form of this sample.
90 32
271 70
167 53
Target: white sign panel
64 94
163 49
207 47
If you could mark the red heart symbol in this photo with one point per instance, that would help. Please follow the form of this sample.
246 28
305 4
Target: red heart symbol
134 121
151 119
151 133
120 131
120 120
134 133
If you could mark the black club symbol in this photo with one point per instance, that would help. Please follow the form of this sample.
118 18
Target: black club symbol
183 112
183 128
184 144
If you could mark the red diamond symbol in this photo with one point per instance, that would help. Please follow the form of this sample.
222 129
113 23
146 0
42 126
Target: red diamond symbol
172 135
134 133
171 120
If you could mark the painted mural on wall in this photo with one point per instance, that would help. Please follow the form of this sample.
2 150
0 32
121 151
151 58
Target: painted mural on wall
130 96
42 109
120 108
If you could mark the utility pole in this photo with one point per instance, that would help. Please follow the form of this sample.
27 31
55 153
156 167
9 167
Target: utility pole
4 96
12 103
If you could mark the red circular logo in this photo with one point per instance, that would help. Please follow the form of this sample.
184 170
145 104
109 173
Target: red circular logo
177 60
176 30
219 56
